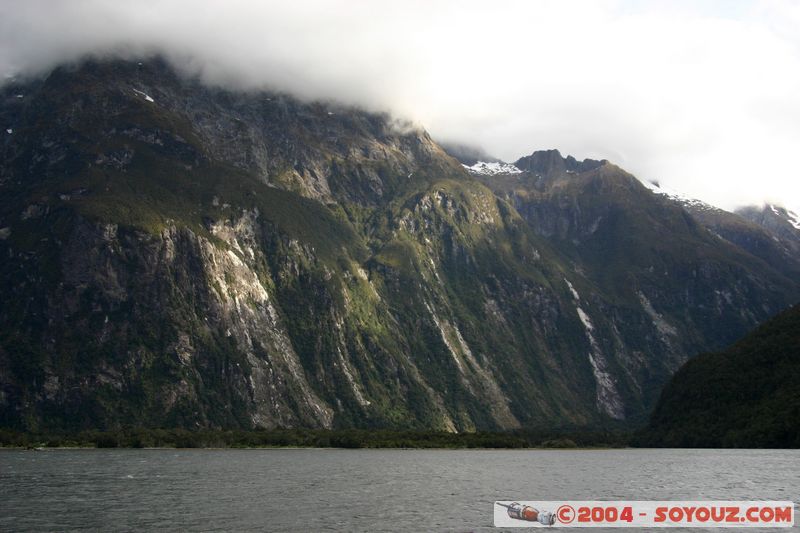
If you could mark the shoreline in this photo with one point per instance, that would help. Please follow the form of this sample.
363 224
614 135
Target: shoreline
174 438
366 448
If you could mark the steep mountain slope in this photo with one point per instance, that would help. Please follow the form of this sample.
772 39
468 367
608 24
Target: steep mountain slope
664 284
770 233
174 254
746 396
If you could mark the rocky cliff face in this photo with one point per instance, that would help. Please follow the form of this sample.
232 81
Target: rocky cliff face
174 254
662 278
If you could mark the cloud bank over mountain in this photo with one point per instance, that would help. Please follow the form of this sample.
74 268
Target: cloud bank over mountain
702 99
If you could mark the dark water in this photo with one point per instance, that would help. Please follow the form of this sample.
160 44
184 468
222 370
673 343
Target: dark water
357 490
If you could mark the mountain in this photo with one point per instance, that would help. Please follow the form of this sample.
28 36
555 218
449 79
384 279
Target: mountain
466 154
782 225
745 396
667 282
771 238
174 254
776 218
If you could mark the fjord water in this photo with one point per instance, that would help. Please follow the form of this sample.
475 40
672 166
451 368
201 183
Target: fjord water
358 490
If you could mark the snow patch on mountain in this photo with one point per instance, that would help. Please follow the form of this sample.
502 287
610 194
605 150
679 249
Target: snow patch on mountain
790 216
794 218
143 95
677 196
492 168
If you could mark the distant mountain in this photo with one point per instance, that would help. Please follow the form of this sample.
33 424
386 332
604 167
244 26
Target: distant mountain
549 165
639 249
777 218
777 249
783 225
468 155
477 162
746 396
173 254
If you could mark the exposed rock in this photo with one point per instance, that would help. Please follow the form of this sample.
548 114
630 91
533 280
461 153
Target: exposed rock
221 259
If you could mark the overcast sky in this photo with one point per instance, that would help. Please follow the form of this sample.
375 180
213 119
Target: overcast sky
702 96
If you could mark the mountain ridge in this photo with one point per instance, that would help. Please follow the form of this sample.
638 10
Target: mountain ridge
179 255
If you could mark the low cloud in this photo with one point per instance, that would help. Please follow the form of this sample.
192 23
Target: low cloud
702 99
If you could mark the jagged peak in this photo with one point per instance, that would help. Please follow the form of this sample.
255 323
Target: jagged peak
550 163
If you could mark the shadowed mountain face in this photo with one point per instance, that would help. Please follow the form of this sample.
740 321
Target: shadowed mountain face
782 225
747 396
178 255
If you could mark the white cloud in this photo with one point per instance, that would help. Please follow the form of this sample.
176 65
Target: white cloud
702 98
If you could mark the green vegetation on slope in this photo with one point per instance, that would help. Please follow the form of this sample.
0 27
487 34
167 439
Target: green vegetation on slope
313 438
745 397
215 260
